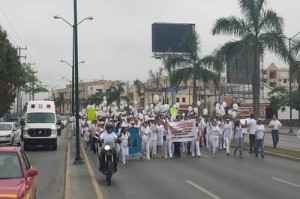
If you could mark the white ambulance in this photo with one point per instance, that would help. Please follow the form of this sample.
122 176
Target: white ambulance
40 124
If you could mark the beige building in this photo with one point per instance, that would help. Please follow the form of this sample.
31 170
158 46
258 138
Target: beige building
86 89
276 77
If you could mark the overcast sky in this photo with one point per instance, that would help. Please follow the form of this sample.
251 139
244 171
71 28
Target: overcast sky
116 45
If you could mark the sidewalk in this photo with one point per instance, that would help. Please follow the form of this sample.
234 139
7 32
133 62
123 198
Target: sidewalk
79 181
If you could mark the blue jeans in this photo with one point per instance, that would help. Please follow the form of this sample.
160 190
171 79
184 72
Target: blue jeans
252 141
239 142
259 143
275 137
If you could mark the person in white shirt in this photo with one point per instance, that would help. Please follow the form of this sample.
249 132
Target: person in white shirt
160 137
238 135
108 137
125 142
251 129
275 125
228 126
214 137
153 138
167 142
145 133
221 124
259 138
195 143
208 130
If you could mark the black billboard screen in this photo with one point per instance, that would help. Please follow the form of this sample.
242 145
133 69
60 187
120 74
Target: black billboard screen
168 37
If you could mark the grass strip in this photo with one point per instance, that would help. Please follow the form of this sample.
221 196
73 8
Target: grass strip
280 151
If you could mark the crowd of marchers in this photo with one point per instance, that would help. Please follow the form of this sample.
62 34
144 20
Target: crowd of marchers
214 134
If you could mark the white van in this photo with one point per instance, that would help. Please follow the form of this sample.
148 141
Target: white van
40 124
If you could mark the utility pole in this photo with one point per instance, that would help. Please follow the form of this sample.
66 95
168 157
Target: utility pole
19 49
32 72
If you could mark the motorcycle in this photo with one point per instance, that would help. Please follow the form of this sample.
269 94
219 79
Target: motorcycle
110 159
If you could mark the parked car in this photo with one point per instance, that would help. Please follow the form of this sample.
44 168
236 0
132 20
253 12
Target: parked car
18 179
10 133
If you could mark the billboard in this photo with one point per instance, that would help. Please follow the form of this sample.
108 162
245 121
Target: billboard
168 37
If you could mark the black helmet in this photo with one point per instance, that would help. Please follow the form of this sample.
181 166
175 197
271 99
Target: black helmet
109 125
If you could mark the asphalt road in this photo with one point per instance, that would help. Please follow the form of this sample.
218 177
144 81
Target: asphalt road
51 167
207 177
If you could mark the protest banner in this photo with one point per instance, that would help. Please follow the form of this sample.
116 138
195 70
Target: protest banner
183 131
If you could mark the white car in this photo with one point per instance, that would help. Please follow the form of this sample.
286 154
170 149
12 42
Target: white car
10 134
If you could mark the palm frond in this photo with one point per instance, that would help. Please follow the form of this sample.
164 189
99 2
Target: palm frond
230 26
181 75
270 21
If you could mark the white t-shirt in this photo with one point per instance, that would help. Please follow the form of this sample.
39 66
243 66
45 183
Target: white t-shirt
260 129
275 124
215 131
228 129
124 138
108 137
252 126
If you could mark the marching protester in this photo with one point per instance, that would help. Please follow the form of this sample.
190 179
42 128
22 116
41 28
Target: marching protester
214 137
125 142
195 143
251 129
228 126
221 124
259 138
86 135
153 138
238 135
160 137
275 125
167 142
145 133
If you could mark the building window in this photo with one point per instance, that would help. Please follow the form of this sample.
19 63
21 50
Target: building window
177 99
273 84
183 99
264 72
272 74
284 81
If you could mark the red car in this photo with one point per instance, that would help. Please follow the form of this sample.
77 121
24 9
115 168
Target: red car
18 179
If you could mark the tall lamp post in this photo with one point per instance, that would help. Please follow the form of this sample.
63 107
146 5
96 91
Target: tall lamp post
78 159
290 81
72 91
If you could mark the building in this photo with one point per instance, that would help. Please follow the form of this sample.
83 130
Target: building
63 96
276 77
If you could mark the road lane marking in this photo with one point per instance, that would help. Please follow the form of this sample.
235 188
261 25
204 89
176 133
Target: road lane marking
92 174
68 181
203 189
286 182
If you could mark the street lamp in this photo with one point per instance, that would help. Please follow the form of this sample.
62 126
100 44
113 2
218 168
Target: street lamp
73 94
290 81
78 159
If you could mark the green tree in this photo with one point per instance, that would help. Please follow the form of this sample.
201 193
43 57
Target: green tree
259 29
140 89
96 98
191 65
116 94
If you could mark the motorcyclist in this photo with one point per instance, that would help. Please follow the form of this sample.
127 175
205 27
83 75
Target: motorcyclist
108 136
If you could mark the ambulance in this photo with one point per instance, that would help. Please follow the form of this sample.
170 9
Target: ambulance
40 124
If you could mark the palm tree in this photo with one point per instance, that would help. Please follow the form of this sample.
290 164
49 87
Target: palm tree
259 29
190 65
296 68
155 78
96 98
116 94
140 89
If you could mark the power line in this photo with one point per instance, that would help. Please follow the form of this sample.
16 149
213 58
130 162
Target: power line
12 26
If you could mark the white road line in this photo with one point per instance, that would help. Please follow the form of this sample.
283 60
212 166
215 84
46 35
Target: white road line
202 189
286 182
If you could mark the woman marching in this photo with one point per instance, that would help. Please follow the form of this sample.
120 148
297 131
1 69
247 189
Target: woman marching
125 142
214 136
259 138
238 135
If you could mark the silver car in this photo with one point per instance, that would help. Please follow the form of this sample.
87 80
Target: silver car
10 134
